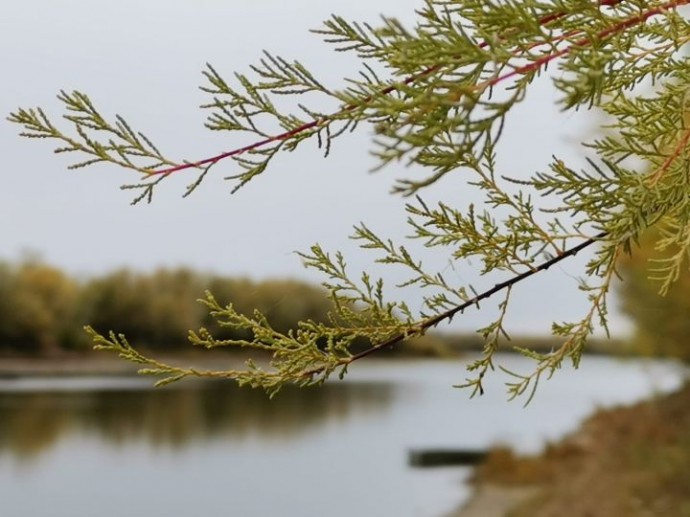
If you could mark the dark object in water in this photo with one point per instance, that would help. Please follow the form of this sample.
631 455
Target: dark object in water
445 457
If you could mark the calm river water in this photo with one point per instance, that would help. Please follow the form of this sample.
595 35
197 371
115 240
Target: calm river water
107 447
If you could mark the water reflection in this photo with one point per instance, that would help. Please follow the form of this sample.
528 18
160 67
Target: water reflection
32 422
66 443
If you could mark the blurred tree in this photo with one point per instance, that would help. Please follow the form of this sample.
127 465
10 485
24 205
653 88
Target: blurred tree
283 302
41 309
662 321
123 298
158 309
174 308
38 306
6 281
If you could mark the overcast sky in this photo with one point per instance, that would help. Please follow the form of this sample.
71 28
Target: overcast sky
143 60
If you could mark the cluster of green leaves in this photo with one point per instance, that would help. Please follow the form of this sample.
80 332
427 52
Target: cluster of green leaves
437 95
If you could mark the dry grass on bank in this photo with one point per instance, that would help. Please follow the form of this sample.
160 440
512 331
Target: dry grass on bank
624 462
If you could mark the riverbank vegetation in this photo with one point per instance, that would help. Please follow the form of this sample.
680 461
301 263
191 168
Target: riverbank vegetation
623 462
43 311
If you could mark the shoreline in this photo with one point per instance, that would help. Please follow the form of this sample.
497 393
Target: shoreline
94 364
493 500
508 483
631 459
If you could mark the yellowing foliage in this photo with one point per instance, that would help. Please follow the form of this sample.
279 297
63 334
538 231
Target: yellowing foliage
662 323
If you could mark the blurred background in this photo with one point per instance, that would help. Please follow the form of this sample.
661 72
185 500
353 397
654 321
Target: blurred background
81 435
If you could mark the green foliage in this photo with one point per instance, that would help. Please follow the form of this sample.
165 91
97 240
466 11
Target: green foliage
437 95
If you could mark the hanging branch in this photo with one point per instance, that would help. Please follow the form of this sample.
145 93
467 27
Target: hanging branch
127 154
285 370
452 84
315 124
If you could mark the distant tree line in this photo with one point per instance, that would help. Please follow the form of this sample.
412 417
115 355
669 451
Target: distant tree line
42 309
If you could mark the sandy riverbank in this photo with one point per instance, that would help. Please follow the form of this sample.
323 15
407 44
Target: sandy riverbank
623 462
494 501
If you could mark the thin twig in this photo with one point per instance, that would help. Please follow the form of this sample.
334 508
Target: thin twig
448 315
654 178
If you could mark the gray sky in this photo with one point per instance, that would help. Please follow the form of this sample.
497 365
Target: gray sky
143 60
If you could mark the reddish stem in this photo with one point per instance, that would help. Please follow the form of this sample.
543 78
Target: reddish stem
630 22
389 89
680 147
